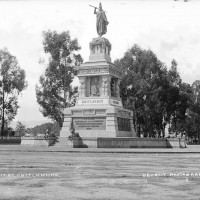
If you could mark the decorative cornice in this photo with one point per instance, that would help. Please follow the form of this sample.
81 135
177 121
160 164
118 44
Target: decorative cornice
100 70
100 40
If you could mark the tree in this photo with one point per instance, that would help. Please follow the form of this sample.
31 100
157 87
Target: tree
193 113
12 83
54 87
178 100
142 88
20 129
155 95
55 129
196 91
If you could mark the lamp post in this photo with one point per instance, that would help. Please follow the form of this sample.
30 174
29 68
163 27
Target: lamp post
3 105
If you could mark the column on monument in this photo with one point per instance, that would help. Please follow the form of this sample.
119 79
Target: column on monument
105 88
87 86
82 86
100 86
96 48
118 88
92 50
106 50
101 48
108 88
113 86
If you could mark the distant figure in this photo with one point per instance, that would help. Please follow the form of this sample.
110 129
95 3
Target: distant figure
40 135
47 133
173 135
102 22
67 98
72 131
93 90
156 133
167 135
181 137
112 86
184 140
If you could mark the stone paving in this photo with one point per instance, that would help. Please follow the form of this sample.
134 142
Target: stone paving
28 175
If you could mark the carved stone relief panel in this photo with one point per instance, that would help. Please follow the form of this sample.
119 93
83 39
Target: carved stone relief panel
95 86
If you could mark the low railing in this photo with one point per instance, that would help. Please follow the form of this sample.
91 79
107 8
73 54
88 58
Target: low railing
10 140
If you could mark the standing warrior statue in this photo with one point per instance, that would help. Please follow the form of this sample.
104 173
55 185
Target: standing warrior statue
102 22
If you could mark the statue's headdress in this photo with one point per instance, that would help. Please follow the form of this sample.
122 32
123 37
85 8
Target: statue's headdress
100 6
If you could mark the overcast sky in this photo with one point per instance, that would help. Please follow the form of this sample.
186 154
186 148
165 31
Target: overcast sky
171 29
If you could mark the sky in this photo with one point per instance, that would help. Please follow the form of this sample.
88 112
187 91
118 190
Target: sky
171 29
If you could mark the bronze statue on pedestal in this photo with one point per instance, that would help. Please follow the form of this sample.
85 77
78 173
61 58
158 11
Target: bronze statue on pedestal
101 22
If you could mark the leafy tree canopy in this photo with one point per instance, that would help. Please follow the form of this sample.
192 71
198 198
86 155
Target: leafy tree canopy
54 86
12 83
20 129
156 95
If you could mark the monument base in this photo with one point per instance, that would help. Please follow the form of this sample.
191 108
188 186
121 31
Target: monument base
98 121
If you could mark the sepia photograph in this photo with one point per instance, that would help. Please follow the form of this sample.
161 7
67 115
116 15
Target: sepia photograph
99 100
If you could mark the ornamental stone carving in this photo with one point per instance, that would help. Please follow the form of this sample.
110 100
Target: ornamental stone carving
105 89
118 88
100 45
97 71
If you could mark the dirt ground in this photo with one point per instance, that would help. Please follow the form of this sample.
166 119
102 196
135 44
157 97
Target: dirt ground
95 176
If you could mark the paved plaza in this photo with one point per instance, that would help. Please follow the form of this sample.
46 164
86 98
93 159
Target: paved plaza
66 175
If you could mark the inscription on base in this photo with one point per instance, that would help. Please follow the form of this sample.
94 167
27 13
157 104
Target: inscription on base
123 124
90 123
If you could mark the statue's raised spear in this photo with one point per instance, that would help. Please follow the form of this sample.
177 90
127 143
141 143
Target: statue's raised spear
96 8
93 6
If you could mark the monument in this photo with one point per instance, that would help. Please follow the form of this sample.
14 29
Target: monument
98 119
98 112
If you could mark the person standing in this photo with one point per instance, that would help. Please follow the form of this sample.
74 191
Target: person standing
184 139
47 134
